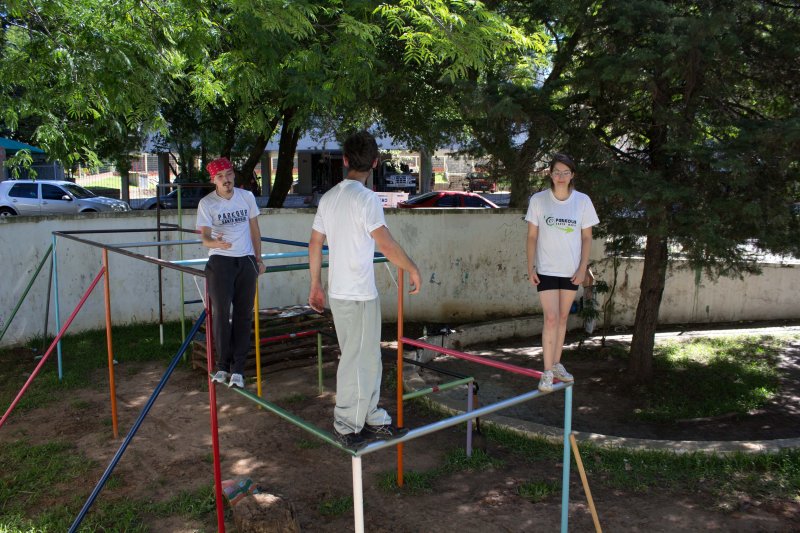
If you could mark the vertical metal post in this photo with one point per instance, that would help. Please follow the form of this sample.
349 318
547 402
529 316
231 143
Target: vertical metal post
180 255
160 270
358 496
109 347
566 459
57 311
470 388
212 400
319 363
400 276
257 333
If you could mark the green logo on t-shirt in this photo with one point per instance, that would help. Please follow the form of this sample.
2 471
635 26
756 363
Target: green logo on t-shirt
567 225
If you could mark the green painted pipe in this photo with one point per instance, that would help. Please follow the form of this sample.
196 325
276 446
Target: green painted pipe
27 289
286 415
429 390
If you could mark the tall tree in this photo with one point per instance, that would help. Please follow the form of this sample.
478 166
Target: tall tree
687 114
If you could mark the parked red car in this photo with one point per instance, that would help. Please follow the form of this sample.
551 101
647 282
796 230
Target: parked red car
479 181
448 199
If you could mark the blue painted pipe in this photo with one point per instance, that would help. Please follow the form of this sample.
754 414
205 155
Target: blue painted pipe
135 428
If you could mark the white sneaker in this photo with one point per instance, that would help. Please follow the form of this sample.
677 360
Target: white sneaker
220 377
236 381
546 381
561 373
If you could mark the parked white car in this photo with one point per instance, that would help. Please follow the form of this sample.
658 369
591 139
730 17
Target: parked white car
28 197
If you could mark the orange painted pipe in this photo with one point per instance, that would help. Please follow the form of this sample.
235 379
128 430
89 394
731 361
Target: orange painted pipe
110 348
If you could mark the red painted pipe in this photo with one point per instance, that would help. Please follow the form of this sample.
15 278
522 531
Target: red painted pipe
212 400
474 358
53 345
288 336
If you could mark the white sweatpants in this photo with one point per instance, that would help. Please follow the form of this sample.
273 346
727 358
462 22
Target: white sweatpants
358 378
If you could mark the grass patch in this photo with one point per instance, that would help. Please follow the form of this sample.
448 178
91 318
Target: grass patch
336 506
293 399
197 504
26 472
83 354
31 474
309 444
760 476
536 491
413 482
455 460
712 376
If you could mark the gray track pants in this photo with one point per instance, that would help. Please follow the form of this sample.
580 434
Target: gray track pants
358 378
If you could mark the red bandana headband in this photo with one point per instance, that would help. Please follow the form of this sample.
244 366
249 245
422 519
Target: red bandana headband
218 165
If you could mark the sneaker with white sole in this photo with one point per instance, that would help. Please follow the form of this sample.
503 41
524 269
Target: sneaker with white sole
546 381
561 373
237 380
220 377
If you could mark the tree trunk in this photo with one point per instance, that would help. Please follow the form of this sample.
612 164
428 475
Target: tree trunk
247 173
519 175
124 168
425 171
640 365
286 150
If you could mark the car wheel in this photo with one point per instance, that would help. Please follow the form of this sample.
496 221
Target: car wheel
7 212
89 211
152 206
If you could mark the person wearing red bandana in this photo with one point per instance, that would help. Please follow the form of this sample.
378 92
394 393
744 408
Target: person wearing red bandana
227 219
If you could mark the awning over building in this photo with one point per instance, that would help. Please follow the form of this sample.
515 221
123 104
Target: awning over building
12 146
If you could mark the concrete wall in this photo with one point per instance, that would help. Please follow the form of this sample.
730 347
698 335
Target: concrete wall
473 266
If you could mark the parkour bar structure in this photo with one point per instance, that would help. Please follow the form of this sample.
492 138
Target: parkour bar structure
183 266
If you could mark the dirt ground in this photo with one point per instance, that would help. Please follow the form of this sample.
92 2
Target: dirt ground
172 452
604 402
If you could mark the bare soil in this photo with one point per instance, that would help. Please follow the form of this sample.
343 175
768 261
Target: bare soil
172 450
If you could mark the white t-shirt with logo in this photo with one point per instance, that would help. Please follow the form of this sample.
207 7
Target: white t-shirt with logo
229 219
347 215
558 248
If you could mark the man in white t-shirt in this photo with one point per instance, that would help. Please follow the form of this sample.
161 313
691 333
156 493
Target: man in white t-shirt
227 219
350 217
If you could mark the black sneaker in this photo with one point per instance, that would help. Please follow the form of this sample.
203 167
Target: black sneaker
384 432
354 441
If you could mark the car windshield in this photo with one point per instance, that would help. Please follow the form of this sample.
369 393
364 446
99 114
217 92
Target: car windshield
77 191
422 197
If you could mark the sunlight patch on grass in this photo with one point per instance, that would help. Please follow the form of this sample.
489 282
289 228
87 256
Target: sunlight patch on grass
709 377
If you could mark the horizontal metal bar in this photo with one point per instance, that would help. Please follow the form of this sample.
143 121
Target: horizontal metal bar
153 243
473 358
277 255
122 251
286 415
455 420
437 388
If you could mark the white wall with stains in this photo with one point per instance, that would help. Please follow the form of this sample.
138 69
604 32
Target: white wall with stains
472 262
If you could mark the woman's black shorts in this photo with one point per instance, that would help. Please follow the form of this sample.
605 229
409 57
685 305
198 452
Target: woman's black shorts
552 283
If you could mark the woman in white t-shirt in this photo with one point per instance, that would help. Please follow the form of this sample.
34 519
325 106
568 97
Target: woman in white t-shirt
560 221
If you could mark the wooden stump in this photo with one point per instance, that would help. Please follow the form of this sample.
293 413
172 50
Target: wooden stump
265 513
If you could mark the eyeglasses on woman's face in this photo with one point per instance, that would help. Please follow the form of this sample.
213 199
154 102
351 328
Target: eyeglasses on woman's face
561 173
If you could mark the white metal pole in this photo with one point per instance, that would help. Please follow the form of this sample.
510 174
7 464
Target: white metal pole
358 496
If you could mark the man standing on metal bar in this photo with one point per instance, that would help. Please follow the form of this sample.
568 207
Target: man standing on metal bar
350 217
227 219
